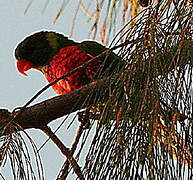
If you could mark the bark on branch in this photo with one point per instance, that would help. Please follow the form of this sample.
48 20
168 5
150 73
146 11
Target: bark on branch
44 112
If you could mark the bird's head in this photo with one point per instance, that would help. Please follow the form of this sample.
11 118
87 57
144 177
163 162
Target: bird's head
36 50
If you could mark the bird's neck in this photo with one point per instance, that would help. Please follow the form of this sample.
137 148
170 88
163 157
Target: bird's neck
58 41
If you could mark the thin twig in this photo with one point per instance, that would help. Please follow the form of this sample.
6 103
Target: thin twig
64 171
65 151
85 10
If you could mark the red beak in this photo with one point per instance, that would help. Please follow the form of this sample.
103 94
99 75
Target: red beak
24 65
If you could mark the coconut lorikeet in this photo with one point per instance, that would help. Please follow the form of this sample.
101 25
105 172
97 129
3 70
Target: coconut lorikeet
55 55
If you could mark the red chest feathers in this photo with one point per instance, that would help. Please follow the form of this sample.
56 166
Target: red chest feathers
65 61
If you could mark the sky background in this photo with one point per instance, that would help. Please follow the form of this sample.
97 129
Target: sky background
15 89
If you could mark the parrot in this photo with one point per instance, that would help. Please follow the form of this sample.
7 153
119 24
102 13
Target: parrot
54 55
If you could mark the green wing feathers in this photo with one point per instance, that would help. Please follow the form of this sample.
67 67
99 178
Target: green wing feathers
111 62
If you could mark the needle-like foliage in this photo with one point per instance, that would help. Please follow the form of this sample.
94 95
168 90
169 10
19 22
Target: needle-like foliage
105 17
24 160
145 126
144 116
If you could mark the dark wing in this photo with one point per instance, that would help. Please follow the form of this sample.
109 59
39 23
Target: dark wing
111 62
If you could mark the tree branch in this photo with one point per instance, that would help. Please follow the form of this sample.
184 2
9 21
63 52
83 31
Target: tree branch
65 151
65 168
44 112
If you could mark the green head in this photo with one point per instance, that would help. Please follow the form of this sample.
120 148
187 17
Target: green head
37 49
